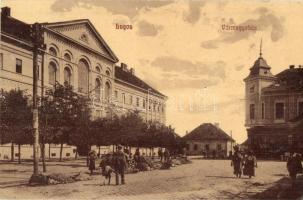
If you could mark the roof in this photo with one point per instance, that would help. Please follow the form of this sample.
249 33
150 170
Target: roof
15 28
207 131
288 80
92 27
128 77
259 64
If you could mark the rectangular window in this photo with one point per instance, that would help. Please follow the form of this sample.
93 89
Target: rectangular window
300 108
1 60
263 110
131 99
206 147
123 97
53 154
252 111
116 94
195 147
18 66
144 103
67 154
219 147
138 102
252 89
279 110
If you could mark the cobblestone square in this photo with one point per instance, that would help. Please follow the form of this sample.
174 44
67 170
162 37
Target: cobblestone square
202 179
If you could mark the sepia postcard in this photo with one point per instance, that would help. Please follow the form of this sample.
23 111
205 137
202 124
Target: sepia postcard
151 99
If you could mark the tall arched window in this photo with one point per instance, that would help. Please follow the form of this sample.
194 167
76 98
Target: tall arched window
97 88
107 73
107 92
52 73
83 79
52 51
67 76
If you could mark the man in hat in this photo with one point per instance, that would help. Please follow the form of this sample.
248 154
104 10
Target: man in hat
236 162
119 165
294 166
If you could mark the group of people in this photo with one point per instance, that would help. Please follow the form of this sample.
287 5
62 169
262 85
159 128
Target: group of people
164 156
112 163
243 162
118 162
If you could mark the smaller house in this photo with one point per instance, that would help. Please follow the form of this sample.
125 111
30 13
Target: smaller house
209 140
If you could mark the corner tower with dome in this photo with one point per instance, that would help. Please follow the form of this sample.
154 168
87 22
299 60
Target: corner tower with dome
274 109
259 77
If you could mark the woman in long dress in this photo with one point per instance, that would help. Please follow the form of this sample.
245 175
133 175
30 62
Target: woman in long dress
92 161
250 162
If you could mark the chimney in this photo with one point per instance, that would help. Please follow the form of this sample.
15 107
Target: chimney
217 124
124 66
132 71
186 133
6 11
291 66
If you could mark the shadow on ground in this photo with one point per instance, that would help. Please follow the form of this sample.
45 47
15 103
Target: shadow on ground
282 190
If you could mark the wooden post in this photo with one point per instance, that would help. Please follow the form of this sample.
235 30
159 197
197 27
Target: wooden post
37 39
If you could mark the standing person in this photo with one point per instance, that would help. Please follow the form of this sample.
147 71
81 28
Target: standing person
92 161
250 162
119 165
137 155
294 166
160 154
166 155
236 162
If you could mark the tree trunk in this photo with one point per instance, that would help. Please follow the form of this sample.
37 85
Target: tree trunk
43 155
87 157
19 152
61 149
76 153
99 155
49 150
12 152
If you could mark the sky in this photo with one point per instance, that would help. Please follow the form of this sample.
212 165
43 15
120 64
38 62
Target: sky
181 49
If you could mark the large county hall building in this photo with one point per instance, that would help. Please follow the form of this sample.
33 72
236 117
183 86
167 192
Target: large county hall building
274 109
76 54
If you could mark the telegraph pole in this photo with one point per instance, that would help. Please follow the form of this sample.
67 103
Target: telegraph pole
37 39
